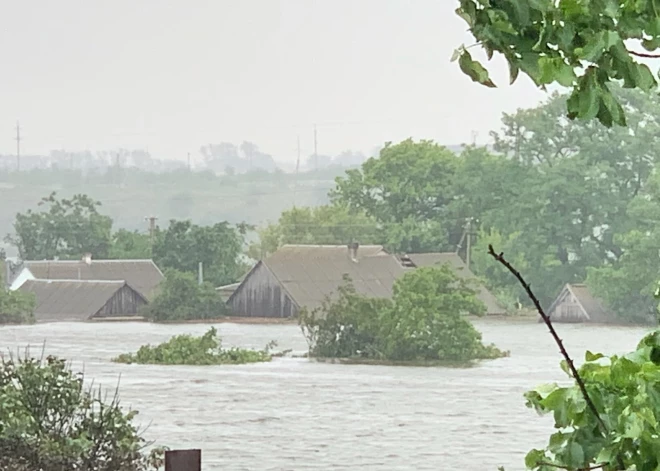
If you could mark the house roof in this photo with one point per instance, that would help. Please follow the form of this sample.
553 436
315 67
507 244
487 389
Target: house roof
593 308
310 273
462 271
142 275
69 300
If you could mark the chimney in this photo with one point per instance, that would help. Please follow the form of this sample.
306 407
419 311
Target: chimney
87 258
353 251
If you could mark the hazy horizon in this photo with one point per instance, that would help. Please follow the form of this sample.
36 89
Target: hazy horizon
171 78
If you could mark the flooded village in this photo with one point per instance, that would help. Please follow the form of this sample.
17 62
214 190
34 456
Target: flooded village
312 235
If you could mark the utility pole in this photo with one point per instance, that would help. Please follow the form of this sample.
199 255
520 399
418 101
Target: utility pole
152 229
316 155
468 232
189 161
18 146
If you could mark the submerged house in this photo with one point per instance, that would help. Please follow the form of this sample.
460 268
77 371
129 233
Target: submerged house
80 290
142 275
576 303
299 276
81 300
493 307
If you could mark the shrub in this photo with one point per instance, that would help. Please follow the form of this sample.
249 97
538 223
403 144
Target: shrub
422 323
180 297
189 350
16 307
48 421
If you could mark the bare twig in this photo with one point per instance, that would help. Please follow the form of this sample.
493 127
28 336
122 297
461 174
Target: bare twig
644 54
574 372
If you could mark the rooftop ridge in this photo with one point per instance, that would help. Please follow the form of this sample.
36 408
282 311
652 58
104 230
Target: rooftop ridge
141 260
46 280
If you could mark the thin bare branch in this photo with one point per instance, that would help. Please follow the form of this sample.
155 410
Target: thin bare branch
644 54
574 372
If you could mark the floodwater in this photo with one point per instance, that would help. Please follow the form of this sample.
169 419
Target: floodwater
294 414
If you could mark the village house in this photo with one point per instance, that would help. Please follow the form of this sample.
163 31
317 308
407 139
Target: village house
299 276
79 290
82 300
141 275
575 304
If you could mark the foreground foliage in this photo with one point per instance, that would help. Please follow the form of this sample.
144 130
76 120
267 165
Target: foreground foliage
181 298
626 391
190 350
583 45
422 323
48 421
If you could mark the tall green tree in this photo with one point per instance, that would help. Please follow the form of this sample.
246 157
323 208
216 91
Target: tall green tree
132 245
183 245
65 228
583 45
408 184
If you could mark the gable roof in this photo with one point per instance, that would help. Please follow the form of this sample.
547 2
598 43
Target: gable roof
142 275
594 309
310 273
462 271
70 300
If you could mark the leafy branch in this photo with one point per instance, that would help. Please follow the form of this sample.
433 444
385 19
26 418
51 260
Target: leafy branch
499 257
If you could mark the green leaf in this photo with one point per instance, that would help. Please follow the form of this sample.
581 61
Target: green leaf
594 48
533 458
614 107
593 356
522 11
634 426
643 77
589 99
474 70
575 456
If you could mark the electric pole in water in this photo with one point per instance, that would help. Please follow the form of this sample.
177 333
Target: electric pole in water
189 161
18 146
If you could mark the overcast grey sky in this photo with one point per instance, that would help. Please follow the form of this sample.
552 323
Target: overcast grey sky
172 75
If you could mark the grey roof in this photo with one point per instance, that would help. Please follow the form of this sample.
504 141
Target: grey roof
462 271
142 275
309 273
70 300
593 309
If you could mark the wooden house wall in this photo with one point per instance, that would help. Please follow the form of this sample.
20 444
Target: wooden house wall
568 309
262 296
125 302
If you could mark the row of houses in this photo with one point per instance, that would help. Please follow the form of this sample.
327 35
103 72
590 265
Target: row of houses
294 277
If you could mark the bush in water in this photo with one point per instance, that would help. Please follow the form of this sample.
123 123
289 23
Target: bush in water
189 350
423 322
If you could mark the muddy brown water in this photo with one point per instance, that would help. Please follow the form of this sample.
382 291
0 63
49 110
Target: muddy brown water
293 414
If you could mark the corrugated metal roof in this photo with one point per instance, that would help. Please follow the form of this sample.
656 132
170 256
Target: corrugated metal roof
462 271
142 275
72 300
309 273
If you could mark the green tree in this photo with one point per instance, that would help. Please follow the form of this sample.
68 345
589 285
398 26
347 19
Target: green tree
181 297
48 420
410 182
424 322
67 229
183 245
130 245
577 44
330 224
